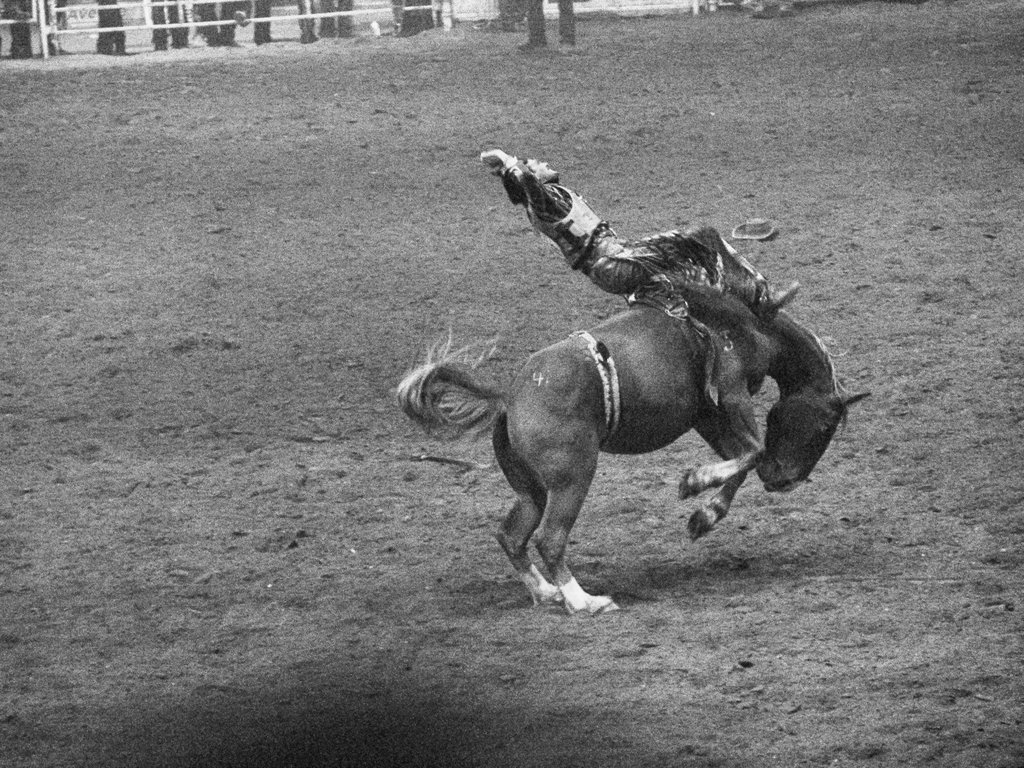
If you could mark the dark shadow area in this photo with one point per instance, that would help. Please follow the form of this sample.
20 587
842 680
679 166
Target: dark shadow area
301 726
722 572
327 721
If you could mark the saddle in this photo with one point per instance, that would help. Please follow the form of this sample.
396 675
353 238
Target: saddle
662 296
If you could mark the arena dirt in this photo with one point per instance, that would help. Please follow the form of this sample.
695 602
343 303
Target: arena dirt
219 545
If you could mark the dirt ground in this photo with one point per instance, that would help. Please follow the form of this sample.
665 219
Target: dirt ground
217 545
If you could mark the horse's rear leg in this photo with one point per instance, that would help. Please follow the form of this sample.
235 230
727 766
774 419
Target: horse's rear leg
519 525
562 509
523 519
566 460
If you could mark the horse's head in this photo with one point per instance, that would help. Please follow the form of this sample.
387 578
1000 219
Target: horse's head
800 428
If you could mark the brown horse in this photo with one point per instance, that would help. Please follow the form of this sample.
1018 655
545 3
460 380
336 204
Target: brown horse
633 384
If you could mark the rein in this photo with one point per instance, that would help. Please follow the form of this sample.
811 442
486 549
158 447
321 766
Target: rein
609 380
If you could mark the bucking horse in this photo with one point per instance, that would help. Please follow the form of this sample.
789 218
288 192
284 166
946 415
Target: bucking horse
630 385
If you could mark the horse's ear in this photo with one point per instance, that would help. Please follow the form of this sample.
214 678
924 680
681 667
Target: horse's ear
845 401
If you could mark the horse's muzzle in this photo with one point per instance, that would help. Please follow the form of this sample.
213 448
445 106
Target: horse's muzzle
782 486
776 478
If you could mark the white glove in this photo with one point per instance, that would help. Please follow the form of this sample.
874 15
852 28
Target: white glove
498 161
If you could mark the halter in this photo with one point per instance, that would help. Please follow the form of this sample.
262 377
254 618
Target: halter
609 381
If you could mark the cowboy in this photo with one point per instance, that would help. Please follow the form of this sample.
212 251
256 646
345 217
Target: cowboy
672 262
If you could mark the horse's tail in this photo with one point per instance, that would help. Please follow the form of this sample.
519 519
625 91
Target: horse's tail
444 396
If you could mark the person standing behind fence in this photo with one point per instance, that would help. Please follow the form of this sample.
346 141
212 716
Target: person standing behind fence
307 24
219 34
110 43
20 12
229 13
335 26
412 22
262 9
536 36
169 14
205 12
57 19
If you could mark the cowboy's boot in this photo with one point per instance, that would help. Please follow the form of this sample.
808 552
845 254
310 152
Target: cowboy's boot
770 300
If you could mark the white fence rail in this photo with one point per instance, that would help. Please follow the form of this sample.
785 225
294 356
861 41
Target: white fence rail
47 22
54 20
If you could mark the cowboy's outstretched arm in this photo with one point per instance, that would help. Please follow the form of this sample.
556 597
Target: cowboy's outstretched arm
503 166
521 185
609 263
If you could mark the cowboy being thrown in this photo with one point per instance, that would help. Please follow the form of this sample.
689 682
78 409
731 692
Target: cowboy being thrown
675 260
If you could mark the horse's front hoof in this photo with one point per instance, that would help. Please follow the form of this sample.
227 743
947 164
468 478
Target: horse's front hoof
700 524
688 487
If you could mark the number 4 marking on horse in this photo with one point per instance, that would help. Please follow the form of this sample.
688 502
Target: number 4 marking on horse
538 377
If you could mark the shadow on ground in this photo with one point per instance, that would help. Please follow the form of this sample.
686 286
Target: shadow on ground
336 721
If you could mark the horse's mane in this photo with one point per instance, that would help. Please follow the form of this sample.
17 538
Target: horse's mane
816 344
718 310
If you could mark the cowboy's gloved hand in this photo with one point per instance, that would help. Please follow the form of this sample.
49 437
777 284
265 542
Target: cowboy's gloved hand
498 161
501 164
